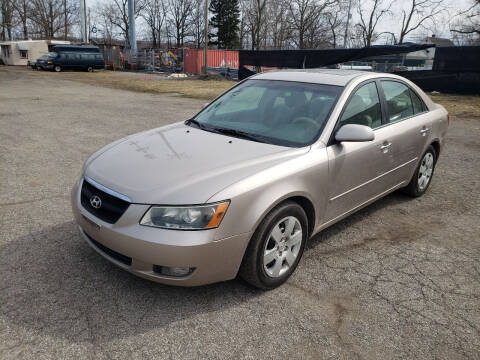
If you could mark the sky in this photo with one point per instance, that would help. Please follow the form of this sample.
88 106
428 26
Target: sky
441 29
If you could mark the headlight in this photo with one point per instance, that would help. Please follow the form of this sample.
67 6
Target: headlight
185 217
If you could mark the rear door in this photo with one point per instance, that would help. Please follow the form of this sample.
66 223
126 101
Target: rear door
360 171
408 125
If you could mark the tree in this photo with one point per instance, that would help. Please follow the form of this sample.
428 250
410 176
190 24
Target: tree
47 15
308 22
279 27
22 9
198 27
154 14
253 14
180 13
418 12
469 23
7 19
116 13
370 13
337 21
225 21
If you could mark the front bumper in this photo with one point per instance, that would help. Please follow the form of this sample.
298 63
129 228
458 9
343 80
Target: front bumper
147 247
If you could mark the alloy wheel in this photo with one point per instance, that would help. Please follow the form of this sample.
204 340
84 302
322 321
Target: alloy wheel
282 247
425 171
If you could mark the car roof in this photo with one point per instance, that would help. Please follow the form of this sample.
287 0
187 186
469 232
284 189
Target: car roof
317 76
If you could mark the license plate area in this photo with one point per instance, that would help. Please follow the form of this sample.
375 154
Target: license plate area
91 223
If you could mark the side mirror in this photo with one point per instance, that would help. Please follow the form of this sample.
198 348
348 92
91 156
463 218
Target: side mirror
354 133
205 105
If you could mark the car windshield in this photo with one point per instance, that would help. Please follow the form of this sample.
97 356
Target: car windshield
278 112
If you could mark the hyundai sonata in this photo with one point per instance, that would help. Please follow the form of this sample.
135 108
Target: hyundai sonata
239 188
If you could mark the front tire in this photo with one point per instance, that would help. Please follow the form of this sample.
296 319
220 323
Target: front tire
423 174
276 247
57 68
90 69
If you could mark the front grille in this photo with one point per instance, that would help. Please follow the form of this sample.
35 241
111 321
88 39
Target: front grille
111 207
112 253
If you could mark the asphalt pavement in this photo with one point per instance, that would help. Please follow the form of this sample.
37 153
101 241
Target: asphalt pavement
398 280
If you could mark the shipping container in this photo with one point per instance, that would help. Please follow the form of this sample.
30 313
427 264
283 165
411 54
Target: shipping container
193 60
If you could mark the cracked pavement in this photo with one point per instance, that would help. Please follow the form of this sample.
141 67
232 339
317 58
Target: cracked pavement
398 280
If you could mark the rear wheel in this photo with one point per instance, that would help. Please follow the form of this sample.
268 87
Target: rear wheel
276 247
90 69
423 174
57 68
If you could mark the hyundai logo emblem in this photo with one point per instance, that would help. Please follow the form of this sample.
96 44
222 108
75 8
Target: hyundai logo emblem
96 202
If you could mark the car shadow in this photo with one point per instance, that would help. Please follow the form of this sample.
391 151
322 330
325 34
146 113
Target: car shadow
392 199
53 282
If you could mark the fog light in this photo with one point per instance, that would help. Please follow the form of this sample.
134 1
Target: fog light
173 271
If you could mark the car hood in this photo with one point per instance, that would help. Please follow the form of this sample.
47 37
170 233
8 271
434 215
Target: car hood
179 164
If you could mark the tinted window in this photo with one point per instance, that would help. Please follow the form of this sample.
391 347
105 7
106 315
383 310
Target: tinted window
399 102
278 112
418 105
364 107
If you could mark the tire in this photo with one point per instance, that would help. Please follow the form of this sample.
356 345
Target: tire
90 69
269 275
423 174
57 68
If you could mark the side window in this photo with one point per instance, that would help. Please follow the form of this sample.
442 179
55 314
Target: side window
399 102
418 104
364 107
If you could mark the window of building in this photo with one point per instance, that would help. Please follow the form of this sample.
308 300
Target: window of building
24 54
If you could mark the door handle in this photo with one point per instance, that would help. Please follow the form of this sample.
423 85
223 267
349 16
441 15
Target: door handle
386 147
424 131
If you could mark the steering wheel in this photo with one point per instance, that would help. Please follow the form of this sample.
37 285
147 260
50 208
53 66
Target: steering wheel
306 120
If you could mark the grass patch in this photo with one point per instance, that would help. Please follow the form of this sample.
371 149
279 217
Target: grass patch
465 106
198 89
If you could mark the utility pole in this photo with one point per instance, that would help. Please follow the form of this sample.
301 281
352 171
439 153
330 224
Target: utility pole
83 16
133 36
348 23
205 40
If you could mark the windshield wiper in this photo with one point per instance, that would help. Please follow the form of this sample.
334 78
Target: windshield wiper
239 134
196 123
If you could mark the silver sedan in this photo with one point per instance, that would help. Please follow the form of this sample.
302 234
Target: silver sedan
239 188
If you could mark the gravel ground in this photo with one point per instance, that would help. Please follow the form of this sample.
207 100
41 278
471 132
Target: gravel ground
399 279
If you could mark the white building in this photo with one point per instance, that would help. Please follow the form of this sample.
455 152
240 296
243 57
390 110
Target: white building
20 51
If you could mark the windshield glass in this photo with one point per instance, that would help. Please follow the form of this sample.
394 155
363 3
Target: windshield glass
278 112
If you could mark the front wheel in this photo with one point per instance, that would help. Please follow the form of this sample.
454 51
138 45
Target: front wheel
57 68
90 69
276 247
423 174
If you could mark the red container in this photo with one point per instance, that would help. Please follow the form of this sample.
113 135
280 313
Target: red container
193 60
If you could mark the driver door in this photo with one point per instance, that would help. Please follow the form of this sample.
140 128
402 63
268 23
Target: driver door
358 171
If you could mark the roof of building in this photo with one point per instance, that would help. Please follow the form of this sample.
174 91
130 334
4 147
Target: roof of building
320 76
440 41
50 42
